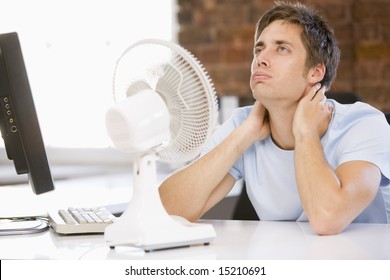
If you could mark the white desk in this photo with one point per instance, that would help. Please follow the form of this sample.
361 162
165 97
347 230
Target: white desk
235 240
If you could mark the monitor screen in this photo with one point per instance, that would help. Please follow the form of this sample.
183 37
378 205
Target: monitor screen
18 119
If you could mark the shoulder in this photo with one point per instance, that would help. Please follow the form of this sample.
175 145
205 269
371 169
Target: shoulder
360 132
240 114
359 122
347 116
237 117
235 120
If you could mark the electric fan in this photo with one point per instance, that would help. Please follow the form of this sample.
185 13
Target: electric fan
166 109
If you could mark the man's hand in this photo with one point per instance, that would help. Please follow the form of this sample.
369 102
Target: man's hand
257 123
313 114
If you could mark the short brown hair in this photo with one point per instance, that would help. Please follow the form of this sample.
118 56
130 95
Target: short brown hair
317 36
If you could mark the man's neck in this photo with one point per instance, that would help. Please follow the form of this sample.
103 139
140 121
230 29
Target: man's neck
281 128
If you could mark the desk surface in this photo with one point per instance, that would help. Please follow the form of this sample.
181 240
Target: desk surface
235 240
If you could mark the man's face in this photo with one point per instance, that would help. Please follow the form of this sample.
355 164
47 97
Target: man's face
278 70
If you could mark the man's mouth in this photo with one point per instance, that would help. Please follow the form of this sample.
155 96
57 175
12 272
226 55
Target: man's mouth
260 76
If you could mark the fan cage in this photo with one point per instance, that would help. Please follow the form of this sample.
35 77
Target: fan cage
184 84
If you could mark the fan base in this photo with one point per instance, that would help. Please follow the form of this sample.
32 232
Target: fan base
146 224
175 235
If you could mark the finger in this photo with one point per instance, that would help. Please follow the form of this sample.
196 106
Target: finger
315 90
319 93
323 102
330 110
262 111
257 107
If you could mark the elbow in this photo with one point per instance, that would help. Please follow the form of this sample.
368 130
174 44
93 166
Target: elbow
168 200
326 228
328 224
174 204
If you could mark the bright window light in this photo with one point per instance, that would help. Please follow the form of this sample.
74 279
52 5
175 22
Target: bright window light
70 48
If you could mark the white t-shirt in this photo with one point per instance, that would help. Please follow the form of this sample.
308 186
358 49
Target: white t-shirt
356 132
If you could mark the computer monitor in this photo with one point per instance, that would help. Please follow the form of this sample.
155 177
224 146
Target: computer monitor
18 119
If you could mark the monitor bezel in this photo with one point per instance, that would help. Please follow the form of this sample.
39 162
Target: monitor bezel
18 118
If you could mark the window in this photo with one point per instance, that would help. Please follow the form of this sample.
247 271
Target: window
70 48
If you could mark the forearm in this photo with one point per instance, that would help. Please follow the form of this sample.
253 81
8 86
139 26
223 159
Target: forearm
187 192
332 199
318 186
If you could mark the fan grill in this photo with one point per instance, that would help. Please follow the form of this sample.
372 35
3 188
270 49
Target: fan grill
182 82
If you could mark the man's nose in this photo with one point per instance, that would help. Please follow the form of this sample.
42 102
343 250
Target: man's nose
262 59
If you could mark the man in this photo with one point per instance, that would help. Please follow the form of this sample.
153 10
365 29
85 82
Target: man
303 157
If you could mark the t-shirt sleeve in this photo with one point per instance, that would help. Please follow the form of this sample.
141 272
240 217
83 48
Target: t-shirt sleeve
368 140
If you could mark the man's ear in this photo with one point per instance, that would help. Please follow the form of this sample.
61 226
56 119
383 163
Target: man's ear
316 74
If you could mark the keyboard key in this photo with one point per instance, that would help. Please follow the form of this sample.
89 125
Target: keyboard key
67 217
81 220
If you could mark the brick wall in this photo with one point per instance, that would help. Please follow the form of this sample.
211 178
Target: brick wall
220 33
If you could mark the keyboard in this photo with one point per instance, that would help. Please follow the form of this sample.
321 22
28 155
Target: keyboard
81 220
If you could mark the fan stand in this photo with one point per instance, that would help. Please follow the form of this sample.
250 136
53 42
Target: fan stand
146 224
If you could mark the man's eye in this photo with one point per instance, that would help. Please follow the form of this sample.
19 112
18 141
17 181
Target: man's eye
282 49
256 51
